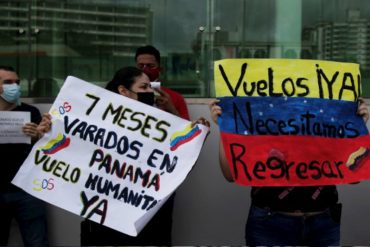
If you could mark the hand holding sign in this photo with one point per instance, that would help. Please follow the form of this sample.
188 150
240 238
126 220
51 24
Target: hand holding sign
164 102
215 110
45 124
109 158
30 129
362 110
291 138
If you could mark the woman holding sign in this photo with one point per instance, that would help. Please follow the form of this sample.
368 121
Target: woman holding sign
304 215
133 83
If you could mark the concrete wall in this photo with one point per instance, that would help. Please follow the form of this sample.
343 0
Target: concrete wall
211 211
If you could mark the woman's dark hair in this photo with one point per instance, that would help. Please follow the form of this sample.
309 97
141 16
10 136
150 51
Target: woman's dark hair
125 77
7 68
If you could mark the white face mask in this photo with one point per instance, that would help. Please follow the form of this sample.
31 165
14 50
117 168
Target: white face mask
11 92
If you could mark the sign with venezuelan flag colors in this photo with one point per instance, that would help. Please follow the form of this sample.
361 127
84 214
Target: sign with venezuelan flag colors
292 122
109 158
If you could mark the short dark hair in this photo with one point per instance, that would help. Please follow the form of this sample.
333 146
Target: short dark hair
7 68
148 49
125 77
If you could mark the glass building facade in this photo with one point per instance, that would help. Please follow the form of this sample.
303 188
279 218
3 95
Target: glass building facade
48 40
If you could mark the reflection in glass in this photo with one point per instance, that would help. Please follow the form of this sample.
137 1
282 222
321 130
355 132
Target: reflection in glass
92 39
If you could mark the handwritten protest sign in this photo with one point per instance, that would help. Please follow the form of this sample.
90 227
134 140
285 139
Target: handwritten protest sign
292 122
11 123
109 158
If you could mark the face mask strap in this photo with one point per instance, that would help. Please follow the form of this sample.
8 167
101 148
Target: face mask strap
132 91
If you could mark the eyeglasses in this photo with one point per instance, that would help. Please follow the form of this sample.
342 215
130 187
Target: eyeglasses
11 81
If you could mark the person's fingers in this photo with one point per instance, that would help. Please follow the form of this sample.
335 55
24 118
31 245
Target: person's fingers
30 125
201 120
46 115
161 99
364 113
215 112
45 124
161 92
206 123
213 103
362 109
162 103
30 129
216 108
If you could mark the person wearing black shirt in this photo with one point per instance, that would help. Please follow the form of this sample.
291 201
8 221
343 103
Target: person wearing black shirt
305 215
133 83
14 202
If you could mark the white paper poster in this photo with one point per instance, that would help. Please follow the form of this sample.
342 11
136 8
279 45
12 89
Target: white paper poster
11 123
109 158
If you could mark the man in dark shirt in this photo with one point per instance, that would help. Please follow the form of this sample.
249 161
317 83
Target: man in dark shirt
14 202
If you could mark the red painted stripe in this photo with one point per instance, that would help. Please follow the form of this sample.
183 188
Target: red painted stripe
309 156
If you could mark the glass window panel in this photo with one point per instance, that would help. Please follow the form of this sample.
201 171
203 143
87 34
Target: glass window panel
48 40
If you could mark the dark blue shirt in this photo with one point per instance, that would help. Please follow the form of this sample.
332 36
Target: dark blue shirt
12 155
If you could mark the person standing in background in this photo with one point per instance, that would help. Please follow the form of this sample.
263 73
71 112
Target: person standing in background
148 59
28 211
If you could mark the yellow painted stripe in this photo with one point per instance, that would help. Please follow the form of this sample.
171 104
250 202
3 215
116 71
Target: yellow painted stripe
288 77
53 141
181 132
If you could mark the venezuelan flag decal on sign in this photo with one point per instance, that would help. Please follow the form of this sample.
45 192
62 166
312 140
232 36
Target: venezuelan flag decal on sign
56 144
184 136
292 122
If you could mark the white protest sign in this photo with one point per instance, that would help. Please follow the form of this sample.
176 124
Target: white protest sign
11 123
109 158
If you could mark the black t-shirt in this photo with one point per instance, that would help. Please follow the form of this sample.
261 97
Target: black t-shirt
13 155
290 199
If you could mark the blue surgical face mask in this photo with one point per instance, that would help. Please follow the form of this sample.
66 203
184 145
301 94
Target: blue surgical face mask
11 92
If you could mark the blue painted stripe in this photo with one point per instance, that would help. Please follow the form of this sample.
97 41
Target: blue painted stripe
291 116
